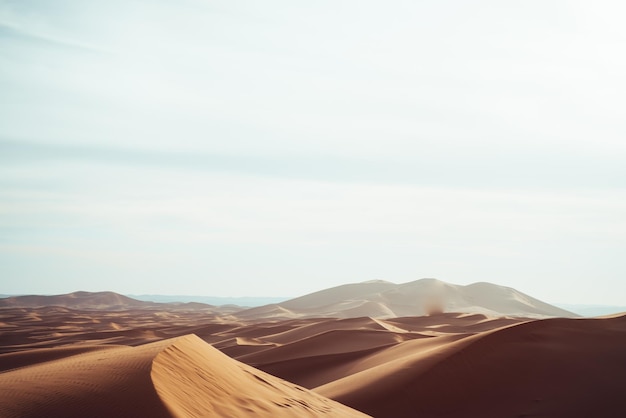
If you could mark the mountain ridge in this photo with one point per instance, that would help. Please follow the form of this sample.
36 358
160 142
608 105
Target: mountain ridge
374 298
383 299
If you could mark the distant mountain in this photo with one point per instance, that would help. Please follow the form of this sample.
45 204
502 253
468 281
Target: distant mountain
382 299
76 300
102 300
211 300
375 299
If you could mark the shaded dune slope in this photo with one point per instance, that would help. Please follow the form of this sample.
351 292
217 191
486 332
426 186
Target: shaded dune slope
319 353
106 383
16 360
553 368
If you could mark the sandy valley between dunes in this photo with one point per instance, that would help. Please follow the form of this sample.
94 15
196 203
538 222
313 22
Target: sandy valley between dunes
63 362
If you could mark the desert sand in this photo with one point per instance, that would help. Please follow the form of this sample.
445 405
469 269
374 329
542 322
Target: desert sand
160 360
180 377
383 299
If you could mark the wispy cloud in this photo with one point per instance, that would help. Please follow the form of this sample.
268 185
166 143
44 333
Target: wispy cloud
472 169
12 33
267 141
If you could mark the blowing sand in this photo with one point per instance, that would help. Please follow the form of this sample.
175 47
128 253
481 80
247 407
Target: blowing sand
64 362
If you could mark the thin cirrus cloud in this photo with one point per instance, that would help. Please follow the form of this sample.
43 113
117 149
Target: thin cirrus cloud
13 34
283 147
465 168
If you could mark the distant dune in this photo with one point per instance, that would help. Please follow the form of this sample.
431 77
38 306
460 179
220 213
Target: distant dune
102 300
77 300
382 299
211 300
376 299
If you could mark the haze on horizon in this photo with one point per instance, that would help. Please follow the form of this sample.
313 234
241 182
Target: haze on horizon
279 148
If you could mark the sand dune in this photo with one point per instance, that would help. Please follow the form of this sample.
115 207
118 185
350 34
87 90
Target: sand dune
555 367
105 300
184 377
376 299
194 379
325 356
382 299
76 300
16 360
59 361
352 291
106 383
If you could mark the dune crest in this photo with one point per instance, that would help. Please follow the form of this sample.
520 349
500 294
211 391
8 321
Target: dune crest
180 377
194 379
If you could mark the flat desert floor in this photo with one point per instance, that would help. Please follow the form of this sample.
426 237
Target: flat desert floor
61 362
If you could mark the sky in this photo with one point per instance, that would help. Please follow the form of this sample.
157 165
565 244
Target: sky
278 148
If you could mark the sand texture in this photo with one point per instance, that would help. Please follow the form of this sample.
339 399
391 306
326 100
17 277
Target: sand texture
180 377
61 361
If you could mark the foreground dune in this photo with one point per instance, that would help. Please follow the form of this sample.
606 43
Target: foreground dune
105 383
183 377
551 368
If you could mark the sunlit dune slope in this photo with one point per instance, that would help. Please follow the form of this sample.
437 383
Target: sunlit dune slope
182 377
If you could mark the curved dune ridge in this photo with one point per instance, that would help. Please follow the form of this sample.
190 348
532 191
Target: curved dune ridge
194 379
553 367
181 377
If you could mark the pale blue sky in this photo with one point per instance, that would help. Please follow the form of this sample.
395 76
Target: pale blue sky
277 148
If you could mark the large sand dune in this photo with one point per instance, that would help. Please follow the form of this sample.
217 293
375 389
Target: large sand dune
553 367
65 362
183 377
375 299
144 361
382 299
